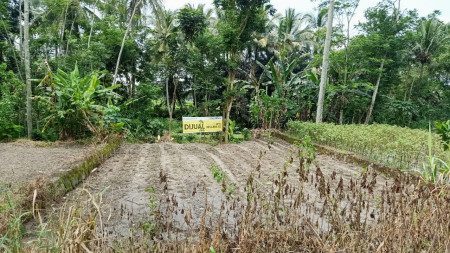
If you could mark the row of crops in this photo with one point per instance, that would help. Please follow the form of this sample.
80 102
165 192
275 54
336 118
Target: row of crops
396 146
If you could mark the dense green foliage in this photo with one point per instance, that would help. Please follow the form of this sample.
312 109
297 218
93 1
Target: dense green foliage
75 103
11 104
240 60
444 131
398 146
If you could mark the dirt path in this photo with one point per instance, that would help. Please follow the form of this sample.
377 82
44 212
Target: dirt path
21 162
182 179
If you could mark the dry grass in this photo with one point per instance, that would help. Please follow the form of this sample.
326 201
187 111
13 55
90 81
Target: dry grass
28 142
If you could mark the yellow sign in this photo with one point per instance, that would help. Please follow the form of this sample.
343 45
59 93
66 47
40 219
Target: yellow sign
202 124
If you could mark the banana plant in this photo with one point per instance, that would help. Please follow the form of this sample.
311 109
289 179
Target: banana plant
281 76
273 107
76 104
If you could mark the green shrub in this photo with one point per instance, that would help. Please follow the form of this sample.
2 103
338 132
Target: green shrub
186 138
436 170
156 126
177 125
444 131
148 129
9 130
191 137
78 105
247 134
49 135
12 100
397 146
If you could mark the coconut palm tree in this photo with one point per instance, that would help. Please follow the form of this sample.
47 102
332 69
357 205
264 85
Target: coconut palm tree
318 25
136 7
431 34
294 30
164 29
165 32
289 32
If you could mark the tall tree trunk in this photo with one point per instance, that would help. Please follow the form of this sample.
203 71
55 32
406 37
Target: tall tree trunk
70 34
169 108
174 99
123 42
26 46
21 28
205 112
229 102
227 121
132 87
92 27
341 116
411 89
195 99
408 73
347 42
326 53
223 122
171 105
208 98
11 42
374 95
193 94
63 30
422 67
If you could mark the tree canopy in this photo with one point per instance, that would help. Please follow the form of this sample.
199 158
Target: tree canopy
242 60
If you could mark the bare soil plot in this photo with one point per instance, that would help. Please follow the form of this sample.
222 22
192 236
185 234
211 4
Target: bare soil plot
187 190
23 161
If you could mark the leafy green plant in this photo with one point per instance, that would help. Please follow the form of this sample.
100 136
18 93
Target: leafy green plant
436 170
232 126
11 104
77 104
9 130
306 152
49 135
156 126
218 173
221 177
444 131
271 110
247 134
150 226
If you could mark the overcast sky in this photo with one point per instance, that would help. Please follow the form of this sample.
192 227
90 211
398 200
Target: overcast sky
424 7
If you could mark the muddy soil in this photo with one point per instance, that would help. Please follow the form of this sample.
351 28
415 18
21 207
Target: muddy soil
21 162
186 189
